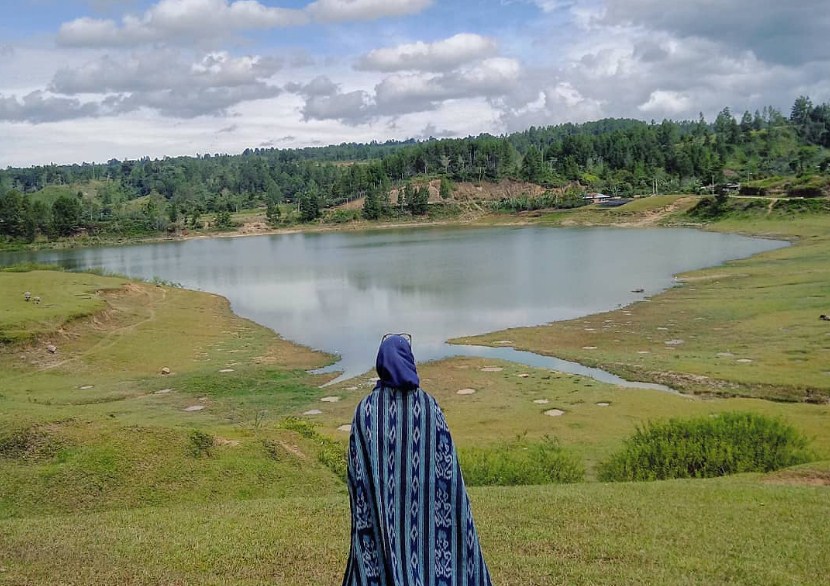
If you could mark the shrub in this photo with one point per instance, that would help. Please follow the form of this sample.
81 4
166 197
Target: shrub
519 463
343 216
223 220
302 426
793 207
753 190
272 448
331 453
526 203
706 447
802 206
707 208
805 191
200 443
30 444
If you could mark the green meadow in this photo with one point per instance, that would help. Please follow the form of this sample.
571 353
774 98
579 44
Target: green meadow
168 441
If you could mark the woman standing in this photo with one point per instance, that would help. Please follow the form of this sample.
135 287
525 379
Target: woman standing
411 519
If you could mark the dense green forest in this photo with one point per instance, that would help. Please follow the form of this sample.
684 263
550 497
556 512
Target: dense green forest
763 152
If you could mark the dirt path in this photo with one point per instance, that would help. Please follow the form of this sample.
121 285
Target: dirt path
654 217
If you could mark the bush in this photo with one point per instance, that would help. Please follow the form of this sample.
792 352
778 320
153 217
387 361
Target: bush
302 426
723 206
520 463
805 191
200 443
706 447
223 220
525 202
753 190
331 453
30 444
342 216
802 206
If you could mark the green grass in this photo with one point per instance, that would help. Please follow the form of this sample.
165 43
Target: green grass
638 210
741 530
519 463
64 297
94 466
50 193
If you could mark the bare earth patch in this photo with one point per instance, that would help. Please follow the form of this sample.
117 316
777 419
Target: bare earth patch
292 449
799 477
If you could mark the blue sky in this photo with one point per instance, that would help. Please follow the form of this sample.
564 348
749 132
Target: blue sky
89 80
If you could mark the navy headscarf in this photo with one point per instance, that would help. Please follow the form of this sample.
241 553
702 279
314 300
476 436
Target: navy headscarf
396 364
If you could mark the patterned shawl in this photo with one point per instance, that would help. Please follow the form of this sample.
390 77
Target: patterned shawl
411 519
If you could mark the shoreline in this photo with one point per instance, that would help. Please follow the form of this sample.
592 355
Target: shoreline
474 219
539 218
93 242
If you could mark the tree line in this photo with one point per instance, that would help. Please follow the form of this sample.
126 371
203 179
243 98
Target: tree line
619 156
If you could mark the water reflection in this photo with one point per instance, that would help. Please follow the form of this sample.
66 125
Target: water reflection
340 292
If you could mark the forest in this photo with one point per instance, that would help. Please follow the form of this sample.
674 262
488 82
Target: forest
757 153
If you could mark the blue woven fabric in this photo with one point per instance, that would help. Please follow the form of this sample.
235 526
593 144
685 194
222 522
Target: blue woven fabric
411 518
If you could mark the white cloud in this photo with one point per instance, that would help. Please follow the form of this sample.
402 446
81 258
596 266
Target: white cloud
178 21
39 107
177 68
551 5
324 100
552 104
164 81
779 32
405 93
219 68
491 76
402 93
666 102
346 10
441 55
349 107
319 86
432 131
630 70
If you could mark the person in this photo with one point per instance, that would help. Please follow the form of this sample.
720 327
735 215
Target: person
411 518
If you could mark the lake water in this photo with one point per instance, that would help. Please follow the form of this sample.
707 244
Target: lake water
340 292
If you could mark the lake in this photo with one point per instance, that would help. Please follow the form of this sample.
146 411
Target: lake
341 291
